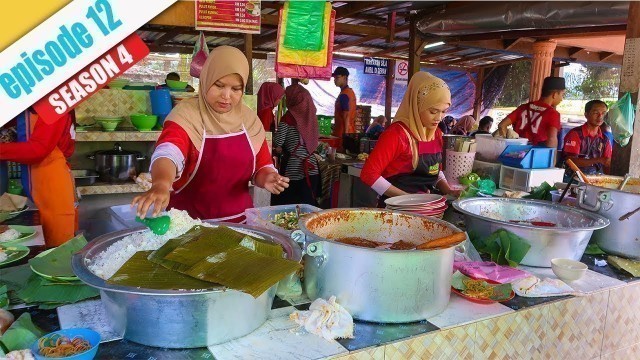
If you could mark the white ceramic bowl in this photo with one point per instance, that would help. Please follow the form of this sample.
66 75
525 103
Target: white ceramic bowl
567 269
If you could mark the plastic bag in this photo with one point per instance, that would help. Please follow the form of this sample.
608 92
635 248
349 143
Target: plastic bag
620 117
200 54
490 271
304 57
305 24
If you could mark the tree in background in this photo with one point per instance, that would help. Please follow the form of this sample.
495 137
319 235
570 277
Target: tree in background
592 82
516 86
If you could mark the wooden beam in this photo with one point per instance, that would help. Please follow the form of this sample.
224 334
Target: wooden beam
388 93
604 55
390 50
416 47
470 58
625 160
354 7
168 36
477 103
248 52
265 39
586 31
441 53
341 28
391 24
508 44
183 30
574 50
500 63
347 44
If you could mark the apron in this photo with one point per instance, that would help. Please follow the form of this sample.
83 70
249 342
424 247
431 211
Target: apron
52 189
218 188
422 179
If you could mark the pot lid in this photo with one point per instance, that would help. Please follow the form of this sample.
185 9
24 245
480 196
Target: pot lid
117 150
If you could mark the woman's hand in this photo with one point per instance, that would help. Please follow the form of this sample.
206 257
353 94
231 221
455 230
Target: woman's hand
158 196
272 182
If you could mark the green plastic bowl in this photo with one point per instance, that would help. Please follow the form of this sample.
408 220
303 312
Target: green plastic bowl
178 85
109 123
144 122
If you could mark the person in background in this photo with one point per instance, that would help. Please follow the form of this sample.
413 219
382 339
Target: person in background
269 96
43 149
211 147
174 76
484 126
586 145
464 125
345 108
297 139
408 156
538 121
446 124
377 127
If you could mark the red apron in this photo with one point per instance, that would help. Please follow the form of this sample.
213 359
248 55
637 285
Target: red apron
218 189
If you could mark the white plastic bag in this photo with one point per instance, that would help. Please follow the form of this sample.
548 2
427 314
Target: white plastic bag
200 54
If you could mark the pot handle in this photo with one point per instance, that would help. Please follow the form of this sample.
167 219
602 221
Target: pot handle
299 237
142 157
583 205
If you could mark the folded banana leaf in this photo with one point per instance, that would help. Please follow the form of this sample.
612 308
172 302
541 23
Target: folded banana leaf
42 291
21 334
224 256
57 262
140 271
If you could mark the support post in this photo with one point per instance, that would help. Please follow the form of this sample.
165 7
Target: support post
416 46
477 104
627 159
248 52
540 66
388 94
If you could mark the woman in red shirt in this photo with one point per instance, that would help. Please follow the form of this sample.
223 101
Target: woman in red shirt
211 147
407 158
269 96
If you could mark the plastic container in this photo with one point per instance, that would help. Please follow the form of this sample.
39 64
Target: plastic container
262 216
324 124
458 164
490 148
530 157
87 334
487 170
160 102
525 179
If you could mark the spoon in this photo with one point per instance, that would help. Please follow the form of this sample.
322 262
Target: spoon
624 182
158 225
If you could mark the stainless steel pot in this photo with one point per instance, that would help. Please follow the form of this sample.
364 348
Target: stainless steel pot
391 286
622 237
568 239
180 318
117 165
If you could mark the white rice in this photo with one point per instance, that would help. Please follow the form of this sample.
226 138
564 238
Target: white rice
9 235
107 263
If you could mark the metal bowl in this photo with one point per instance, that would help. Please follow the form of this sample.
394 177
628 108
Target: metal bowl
180 318
568 239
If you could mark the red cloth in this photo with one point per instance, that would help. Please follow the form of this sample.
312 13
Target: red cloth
393 154
269 95
174 134
573 144
302 113
544 117
266 117
44 138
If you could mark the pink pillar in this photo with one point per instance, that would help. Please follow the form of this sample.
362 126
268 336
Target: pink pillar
540 66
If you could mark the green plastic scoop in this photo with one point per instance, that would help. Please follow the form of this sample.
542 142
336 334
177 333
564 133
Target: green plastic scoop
158 225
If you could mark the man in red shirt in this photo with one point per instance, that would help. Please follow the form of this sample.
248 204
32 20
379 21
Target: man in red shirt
538 121
586 145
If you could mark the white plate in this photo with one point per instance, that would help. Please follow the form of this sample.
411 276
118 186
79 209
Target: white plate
413 200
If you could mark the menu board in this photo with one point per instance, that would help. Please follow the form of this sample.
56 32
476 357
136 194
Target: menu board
241 16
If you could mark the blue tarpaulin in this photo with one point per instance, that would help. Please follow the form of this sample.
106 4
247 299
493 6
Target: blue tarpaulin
370 89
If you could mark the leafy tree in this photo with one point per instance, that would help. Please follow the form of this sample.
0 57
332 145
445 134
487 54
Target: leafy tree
516 86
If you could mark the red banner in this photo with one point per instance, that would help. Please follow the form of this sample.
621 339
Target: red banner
92 78
231 16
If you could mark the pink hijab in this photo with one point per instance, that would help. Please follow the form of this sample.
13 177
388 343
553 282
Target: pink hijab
300 106
464 125
269 95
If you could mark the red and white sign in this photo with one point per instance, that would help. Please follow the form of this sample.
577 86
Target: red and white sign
241 16
92 78
402 71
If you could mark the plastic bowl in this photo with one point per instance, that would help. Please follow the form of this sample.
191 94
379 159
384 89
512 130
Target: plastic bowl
567 269
91 336
144 122
175 84
109 124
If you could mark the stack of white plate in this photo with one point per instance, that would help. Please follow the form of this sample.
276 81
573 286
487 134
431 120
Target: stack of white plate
421 204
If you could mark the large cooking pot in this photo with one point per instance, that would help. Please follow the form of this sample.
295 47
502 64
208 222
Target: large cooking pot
117 165
391 286
568 239
180 318
622 237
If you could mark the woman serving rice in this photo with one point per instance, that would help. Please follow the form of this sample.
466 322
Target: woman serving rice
211 147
